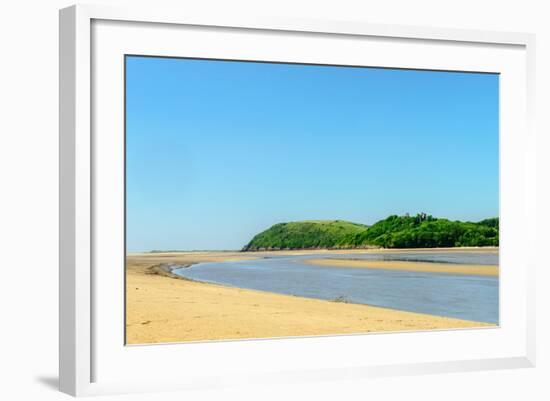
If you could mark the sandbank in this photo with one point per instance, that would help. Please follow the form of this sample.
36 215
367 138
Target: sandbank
431 267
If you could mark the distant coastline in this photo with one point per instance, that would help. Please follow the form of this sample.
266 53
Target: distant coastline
420 231
314 250
488 248
395 232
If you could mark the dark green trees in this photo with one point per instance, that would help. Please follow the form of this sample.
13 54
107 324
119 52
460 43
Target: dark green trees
425 231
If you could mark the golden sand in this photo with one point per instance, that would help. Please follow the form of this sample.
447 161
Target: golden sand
160 308
477 270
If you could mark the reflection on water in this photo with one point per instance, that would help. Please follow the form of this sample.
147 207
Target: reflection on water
461 296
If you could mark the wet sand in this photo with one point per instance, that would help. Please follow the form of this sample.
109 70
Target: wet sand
163 308
430 267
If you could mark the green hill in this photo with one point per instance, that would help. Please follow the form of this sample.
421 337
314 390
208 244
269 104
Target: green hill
420 231
305 234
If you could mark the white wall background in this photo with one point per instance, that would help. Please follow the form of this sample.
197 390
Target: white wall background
29 185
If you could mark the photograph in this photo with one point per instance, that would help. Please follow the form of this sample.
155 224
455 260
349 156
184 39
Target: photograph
271 200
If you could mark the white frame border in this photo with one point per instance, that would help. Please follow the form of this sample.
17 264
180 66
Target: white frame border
75 279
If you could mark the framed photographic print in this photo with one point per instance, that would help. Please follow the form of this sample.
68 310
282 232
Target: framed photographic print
274 200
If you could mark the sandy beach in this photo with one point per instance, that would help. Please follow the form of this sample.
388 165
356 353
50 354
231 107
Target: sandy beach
477 270
162 308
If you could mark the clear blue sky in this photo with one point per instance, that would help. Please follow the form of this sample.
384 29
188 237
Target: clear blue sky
217 151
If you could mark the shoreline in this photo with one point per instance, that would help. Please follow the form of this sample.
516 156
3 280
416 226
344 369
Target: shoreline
480 249
246 255
164 307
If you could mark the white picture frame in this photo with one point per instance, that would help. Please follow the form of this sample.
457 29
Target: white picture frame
82 344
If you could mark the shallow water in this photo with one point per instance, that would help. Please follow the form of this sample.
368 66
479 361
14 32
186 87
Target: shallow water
462 296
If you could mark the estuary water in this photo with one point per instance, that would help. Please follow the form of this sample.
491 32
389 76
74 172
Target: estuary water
461 296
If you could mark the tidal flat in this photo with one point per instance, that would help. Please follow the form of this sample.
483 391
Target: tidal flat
163 307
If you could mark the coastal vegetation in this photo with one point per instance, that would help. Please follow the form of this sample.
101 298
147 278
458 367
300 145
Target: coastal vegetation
420 231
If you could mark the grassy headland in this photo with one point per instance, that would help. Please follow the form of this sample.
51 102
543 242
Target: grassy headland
420 231
305 235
